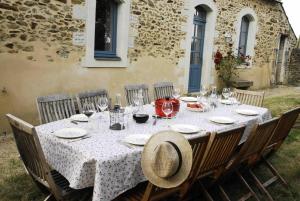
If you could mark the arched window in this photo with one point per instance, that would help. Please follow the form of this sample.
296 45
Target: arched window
244 32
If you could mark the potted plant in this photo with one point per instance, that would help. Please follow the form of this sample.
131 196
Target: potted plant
226 66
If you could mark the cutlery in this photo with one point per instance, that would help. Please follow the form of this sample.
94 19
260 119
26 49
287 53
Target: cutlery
74 122
78 139
155 120
125 144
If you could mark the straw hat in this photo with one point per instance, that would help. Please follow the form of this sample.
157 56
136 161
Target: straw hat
167 159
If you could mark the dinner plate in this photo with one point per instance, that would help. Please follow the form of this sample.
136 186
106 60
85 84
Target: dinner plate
222 120
188 99
247 112
79 117
70 133
226 102
185 128
137 139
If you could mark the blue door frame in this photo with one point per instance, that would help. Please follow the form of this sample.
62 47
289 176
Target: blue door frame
197 47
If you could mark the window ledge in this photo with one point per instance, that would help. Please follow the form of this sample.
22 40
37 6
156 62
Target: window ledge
108 58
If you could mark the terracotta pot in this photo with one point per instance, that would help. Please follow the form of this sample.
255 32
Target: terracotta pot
159 103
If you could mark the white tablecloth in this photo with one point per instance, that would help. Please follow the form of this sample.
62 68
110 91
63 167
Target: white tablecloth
112 168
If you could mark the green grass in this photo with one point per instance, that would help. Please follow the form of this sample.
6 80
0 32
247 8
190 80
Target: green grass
16 185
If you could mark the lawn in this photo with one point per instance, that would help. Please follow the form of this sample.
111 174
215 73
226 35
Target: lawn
15 185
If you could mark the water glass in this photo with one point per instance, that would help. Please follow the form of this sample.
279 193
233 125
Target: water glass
176 93
226 93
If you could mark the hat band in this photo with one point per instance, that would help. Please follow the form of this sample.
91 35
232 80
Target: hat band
179 156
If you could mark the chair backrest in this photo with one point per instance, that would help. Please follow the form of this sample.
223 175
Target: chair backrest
31 153
254 98
55 107
199 146
91 97
284 126
130 90
258 139
163 89
220 151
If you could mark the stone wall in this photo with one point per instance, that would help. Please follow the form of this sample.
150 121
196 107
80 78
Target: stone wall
25 22
294 68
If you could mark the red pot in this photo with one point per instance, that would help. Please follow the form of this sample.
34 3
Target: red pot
159 103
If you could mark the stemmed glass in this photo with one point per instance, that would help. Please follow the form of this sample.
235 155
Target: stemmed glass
226 93
176 93
102 104
167 108
203 90
88 109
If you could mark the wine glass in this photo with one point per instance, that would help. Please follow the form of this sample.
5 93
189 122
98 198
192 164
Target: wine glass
88 109
226 93
203 90
167 108
135 98
176 93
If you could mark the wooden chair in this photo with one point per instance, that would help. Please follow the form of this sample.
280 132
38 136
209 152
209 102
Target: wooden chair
130 90
34 160
91 97
55 107
281 131
163 89
250 154
147 191
221 151
250 97
286 123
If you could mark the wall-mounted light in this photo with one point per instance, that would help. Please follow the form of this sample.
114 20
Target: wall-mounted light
228 38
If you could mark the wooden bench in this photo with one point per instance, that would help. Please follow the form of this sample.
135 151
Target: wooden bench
242 84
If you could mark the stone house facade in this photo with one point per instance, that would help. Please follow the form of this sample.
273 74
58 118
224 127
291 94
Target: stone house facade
49 46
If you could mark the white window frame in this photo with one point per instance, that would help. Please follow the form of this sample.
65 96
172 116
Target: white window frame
122 37
253 29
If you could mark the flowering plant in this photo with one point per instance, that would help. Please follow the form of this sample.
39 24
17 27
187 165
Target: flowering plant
226 65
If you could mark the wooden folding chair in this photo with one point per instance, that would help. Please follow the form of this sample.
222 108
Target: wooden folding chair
130 90
163 89
34 160
249 155
222 147
55 107
149 192
91 97
281 131
254 98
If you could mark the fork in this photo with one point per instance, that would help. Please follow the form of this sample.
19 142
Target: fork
78 139
125 144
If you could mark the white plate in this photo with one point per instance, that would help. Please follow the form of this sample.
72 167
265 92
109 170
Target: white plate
188 99
79 117
185 128
222 120
138 139
226 102
247 112
70 133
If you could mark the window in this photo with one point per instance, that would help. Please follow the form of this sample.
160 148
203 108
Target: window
242 50
105 29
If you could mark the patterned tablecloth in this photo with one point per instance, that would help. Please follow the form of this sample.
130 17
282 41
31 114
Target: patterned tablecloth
108 165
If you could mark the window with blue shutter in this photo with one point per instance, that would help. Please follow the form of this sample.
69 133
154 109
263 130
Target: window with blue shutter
106 29
244 36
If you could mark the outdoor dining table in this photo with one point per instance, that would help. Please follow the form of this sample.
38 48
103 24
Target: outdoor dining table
112 168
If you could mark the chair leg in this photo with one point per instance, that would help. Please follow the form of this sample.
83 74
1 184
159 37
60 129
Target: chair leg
251 193
275 173
50 198
223 193
260 185
205 192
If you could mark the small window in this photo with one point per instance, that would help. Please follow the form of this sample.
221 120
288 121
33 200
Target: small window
244 36
105 29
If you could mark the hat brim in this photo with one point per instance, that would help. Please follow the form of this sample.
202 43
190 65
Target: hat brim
186 153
